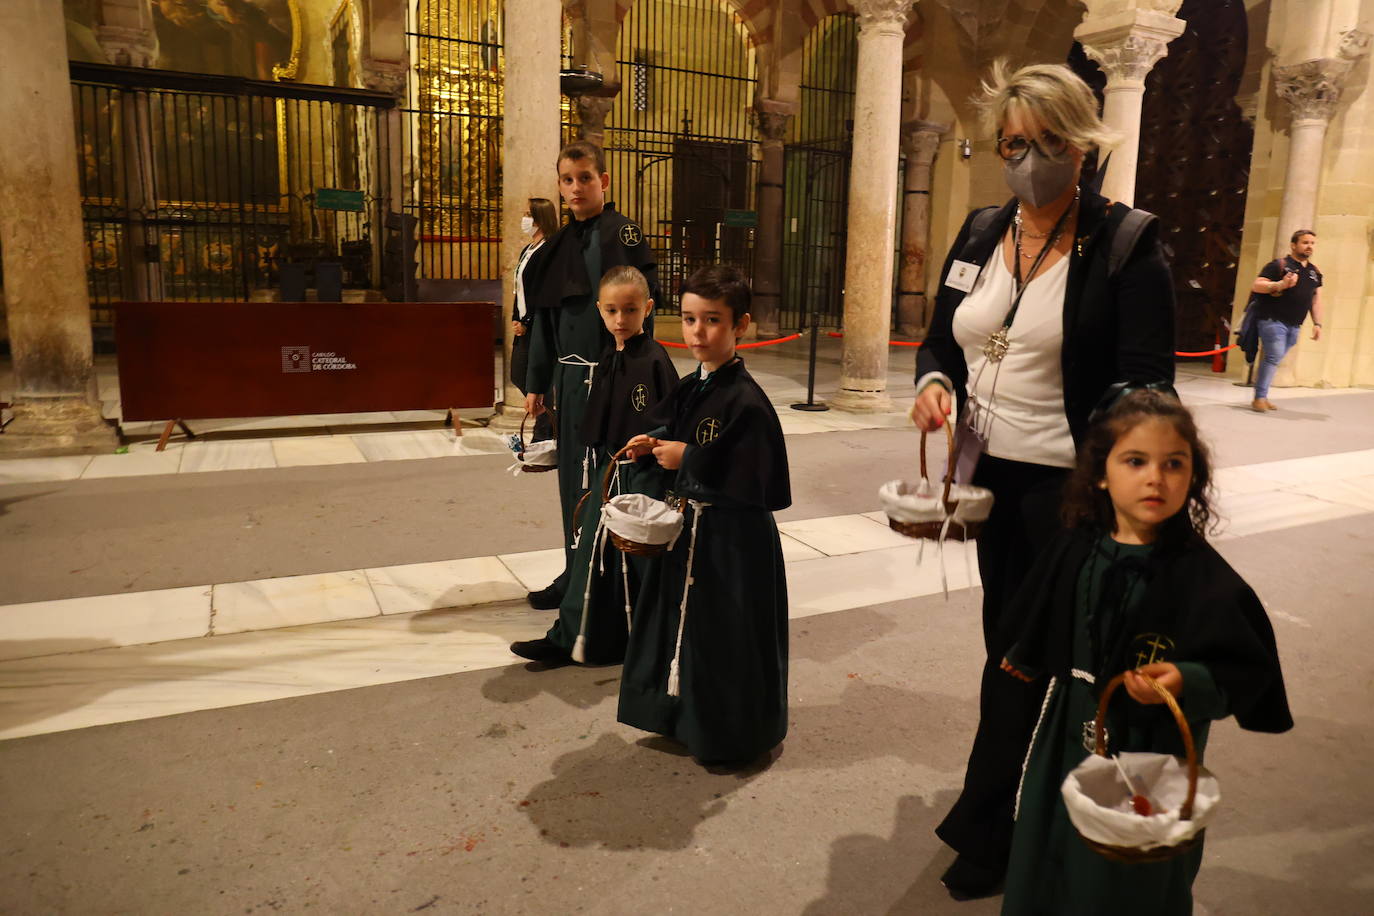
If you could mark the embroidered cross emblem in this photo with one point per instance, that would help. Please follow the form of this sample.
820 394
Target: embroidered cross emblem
639 397
707 431
1152 647
631 235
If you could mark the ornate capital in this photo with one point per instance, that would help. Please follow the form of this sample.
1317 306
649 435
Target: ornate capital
1313 87
591 113
773 118
387 76
920 140
1128 45
881 16
1354 44
128 46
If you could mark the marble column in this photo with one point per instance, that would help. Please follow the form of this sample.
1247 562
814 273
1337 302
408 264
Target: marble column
1312 90
773 119
872 205
1126 46
529 147
920 140
591 117
55 408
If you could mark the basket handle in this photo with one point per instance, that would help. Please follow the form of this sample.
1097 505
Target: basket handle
610 472
1186 812
552 419
949 471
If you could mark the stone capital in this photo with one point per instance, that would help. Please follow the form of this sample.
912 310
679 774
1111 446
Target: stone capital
882 16
1354 44
127 46
773 118
387 76
1128 44
920 139
1313 88
592 111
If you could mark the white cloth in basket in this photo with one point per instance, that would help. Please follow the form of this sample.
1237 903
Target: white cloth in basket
543 453
1099 804
920 501
642 519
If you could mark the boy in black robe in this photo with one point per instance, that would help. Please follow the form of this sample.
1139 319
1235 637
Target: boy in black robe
568 335
707 658
633 375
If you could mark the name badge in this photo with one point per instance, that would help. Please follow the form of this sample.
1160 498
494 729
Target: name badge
962 276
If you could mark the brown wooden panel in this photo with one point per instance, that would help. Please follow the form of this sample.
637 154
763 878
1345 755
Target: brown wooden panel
261 359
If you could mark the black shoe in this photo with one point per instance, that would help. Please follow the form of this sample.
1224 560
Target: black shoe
546 599
540 650
967 880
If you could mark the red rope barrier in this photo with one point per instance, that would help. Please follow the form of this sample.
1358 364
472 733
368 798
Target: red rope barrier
1206 352
744 346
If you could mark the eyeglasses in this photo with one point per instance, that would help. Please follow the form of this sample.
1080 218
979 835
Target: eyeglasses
1116 392
1014 149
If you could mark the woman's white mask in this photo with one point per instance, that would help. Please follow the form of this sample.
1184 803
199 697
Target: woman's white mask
527 225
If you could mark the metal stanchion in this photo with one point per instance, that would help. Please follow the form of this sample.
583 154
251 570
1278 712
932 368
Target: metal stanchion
811 404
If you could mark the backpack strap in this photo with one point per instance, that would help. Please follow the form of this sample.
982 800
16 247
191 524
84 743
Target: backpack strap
1124 239
981 221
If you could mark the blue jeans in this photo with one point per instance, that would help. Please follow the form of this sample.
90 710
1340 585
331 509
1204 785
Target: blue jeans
1277 339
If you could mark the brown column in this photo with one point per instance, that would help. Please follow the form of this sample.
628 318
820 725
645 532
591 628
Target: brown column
920 140
55 409
773 119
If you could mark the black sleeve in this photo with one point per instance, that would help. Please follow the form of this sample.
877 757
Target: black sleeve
543 351
940 352
747 462
1272 271
1145 314
664 375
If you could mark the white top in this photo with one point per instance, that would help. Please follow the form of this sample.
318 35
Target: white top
1023 396
520 278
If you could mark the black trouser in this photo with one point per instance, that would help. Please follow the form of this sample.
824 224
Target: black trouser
1025 516
519 365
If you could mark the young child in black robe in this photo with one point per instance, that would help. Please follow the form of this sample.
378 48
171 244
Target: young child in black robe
1130 586
632 376
707 657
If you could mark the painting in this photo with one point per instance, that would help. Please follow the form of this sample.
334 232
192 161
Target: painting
258 39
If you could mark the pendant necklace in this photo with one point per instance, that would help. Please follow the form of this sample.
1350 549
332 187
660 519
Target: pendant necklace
996 346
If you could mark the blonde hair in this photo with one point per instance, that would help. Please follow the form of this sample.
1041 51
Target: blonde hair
1049 93
625 275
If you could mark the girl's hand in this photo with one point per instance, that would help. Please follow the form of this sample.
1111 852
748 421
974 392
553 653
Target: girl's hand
669 454
534 404
932 406
1168 675
640 446
517 329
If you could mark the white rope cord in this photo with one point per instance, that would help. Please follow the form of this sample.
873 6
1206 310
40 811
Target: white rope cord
1083 675
675 669
625 579
1049 692
575 360
579 652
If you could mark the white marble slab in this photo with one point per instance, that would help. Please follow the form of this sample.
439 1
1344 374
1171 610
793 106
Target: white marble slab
1238 480
101 621
880 576
794 550
534 569
843 534
444 584
141 460
1302 471
420 416
292 601
32 470
198 457
402 446
480 442
1357 492
799 423
316 450
1244 514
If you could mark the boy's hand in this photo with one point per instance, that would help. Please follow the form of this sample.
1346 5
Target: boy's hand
669 454
534 404
640 446
517 329
1168 675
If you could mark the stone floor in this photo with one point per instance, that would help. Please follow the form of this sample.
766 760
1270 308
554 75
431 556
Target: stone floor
284 684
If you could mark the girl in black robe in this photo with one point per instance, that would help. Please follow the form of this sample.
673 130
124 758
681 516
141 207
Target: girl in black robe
1131 586
707 657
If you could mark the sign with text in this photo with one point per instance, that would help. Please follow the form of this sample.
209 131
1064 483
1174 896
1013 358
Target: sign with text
338 199
742 219
192 360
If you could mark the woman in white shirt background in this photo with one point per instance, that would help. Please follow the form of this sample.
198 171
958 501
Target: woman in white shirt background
1034 369
539 223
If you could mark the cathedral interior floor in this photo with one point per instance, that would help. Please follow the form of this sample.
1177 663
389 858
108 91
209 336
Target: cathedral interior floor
392 756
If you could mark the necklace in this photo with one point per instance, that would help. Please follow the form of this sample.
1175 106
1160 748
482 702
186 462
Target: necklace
996 346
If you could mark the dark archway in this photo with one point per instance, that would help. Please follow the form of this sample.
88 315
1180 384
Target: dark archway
1194 170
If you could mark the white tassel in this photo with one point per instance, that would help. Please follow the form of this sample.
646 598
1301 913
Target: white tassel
579 652
625 579
585 475
675 669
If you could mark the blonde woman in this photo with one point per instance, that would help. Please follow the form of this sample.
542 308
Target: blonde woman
1043 303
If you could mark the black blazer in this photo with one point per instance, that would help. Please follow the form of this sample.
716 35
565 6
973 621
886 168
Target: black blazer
520 347
1116 328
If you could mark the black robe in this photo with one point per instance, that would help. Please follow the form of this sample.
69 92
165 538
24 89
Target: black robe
568 325
732 702
626 386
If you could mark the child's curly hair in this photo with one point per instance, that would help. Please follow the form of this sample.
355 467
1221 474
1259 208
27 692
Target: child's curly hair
1087 505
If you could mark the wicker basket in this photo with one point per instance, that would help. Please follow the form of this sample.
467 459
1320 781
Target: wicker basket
1130 854
956 530
535 468
623 544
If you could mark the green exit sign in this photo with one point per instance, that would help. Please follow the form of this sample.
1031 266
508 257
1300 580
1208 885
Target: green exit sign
338 199
745 219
